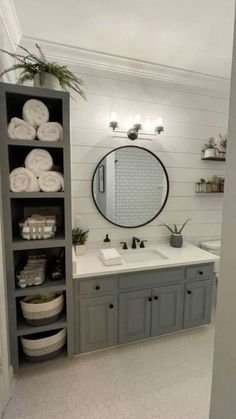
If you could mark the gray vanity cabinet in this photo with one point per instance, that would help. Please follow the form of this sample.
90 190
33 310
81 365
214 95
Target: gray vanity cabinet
134 315
198 303
98 323
167 309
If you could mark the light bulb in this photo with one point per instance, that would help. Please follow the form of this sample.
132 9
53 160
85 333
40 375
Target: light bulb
159 122
137 119
114 117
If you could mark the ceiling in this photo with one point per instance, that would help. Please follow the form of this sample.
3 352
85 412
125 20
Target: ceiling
192 34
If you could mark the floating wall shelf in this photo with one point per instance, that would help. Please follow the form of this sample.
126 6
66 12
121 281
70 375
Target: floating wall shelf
214 158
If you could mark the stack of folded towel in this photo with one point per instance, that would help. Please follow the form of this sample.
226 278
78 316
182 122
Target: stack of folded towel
110 257
37 174
34 124
33 273
38 227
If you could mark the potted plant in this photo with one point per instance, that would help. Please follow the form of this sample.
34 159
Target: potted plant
176 238
215 183
210 149
46 74
79 238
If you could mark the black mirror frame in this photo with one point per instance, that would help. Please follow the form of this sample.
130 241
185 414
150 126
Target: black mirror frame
167 188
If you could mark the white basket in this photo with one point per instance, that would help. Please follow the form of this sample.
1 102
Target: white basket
43 348
42 313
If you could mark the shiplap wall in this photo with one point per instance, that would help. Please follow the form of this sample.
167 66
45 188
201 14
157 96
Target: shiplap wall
191 115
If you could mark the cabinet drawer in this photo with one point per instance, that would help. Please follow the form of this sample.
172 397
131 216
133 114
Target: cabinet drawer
97 286
151 278
200 271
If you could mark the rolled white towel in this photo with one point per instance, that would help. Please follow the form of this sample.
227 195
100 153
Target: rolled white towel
51 181
51 131
38 161
23 180
20 130
35 112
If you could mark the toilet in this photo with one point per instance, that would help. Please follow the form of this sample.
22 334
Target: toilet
213 246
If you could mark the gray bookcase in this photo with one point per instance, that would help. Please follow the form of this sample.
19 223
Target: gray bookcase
17 205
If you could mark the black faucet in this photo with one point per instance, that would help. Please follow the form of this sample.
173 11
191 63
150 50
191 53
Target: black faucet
134 240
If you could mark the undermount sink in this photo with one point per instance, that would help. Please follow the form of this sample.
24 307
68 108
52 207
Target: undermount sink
142 255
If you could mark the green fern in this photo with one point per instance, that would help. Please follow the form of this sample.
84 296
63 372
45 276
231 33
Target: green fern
32 64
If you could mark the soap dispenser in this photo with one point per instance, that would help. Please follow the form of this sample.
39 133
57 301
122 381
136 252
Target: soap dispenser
106 242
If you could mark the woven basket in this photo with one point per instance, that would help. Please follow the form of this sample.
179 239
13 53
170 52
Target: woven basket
39 314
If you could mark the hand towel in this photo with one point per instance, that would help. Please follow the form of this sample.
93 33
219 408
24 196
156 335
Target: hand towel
110 257
35 112
20 130
51 181
38 161
23 180
51 131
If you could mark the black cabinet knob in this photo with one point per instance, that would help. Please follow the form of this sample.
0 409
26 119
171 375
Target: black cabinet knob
149 298
200 272
155 297
111 306
189 292
97 287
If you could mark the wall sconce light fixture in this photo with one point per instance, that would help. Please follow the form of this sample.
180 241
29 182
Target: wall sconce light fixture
134 131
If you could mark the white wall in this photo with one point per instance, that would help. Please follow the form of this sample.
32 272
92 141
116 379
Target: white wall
191 115
223 404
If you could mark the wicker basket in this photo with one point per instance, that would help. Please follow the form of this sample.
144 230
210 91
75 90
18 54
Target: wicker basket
43 346
38 227
38 313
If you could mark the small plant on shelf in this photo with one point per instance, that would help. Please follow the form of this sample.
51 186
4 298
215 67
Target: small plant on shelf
35 67
79 238
176 238
210 150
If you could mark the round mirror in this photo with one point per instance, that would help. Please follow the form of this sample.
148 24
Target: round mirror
130 186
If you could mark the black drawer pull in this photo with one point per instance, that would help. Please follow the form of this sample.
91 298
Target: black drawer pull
149 298
111 306
155 297
200 272
189 292
97 287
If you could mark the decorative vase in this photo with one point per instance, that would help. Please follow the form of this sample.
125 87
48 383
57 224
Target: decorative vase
80 249
176 240
215 187
210 152
49 81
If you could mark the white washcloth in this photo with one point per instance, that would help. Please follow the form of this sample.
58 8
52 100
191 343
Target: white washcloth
51 131
51 181
35 112
110 257
20 130
38 161
23 180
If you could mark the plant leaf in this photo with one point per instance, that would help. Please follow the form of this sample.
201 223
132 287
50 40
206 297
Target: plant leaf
168 227
181 229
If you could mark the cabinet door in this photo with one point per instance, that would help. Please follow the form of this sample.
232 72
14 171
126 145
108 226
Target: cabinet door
98 323
134 315
167 309
198 302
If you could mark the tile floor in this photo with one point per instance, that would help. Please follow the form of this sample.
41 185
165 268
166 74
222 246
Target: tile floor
164 378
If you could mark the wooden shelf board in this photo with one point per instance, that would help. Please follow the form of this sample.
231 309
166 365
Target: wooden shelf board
214 158
209 193
36 143
21 244
24 329
25 365
47 286
20 195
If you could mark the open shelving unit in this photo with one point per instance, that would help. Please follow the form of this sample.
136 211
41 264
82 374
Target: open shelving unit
16 206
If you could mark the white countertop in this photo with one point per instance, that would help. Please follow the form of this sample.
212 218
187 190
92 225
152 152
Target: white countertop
90 265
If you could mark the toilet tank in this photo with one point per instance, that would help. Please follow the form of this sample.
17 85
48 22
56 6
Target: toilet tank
212 246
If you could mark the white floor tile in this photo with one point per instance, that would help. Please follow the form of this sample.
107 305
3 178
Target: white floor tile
163 378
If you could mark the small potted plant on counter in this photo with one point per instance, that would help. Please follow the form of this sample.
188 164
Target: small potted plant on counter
210 149
79 238
176 238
